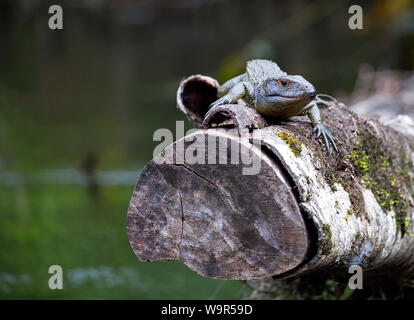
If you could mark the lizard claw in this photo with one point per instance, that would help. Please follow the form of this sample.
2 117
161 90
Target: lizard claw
219 102
318 131
326 135
210 110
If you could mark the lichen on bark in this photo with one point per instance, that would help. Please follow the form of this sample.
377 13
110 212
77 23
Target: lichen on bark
384 171
293 143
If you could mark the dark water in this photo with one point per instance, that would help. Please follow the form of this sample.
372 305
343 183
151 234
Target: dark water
79 106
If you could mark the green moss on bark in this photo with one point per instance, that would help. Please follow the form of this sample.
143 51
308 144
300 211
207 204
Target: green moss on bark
326 242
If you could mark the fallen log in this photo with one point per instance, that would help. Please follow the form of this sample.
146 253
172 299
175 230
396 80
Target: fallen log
290 208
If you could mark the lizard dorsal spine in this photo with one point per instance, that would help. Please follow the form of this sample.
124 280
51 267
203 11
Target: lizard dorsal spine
259 70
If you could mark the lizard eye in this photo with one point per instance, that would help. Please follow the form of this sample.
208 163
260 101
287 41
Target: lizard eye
283 83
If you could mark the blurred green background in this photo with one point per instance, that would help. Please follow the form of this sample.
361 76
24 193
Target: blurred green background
79 106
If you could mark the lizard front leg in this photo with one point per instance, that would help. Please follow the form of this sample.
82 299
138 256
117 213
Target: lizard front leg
315 118
228 85
237 92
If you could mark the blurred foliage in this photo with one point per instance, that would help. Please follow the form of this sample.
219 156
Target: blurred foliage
99 89
42 226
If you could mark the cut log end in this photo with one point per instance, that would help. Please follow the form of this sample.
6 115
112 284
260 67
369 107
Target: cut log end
218 221
195 94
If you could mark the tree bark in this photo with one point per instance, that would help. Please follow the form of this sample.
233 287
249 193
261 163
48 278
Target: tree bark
304 211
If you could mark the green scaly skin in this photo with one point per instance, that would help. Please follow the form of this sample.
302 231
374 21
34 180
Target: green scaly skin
273 93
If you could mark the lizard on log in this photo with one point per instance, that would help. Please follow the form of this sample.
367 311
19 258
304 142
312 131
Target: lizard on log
303 211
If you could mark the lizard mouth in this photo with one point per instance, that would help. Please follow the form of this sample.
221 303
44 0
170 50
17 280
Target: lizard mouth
288 98
281 96
312 95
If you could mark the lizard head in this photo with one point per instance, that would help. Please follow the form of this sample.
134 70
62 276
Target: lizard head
287 95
